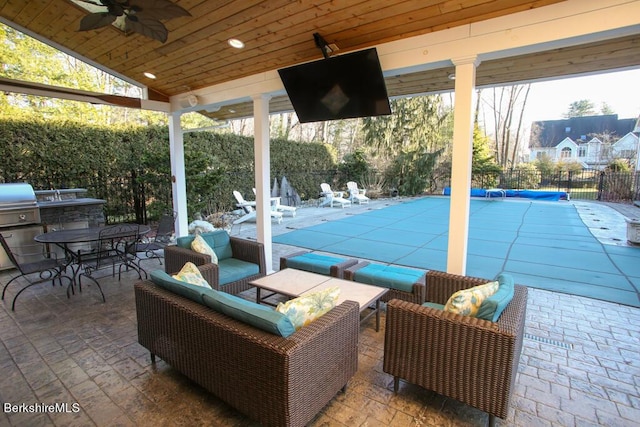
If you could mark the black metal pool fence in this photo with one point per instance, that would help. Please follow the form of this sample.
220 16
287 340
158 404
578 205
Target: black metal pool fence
141 202
590 185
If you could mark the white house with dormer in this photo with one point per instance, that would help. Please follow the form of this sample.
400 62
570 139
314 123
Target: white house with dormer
592 141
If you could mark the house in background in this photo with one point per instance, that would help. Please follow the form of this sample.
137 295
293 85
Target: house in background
593 141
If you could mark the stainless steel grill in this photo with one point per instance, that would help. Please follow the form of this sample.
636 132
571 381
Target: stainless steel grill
19 218
18 205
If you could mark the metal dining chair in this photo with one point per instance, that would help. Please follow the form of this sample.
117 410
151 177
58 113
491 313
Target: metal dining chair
113 249
153 248
47 269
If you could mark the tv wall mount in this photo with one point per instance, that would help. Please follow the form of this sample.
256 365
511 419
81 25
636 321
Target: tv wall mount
325 47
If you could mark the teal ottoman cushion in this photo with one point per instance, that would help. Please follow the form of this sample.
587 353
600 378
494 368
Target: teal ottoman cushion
314 263
388 276
259 316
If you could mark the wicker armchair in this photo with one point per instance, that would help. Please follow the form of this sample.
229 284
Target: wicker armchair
465 358
246 250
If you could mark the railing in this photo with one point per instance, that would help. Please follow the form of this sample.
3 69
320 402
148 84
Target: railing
589 185
143 202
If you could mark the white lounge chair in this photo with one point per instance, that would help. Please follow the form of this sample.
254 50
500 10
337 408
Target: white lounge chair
275 203
333 197
249 209
357 195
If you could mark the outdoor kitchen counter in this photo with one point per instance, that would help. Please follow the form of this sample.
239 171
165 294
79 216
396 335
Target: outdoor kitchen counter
70 202
62 209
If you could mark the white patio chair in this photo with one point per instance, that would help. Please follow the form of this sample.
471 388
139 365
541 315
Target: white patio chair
249 209
331 197
357 195
275 204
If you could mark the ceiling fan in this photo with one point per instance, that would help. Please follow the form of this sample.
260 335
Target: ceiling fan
139 16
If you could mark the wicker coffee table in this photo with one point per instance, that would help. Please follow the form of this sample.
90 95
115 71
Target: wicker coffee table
294 283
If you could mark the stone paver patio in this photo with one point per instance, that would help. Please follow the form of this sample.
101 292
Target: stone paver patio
580 364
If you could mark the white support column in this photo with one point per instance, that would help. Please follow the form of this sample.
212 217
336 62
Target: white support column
263 175
178 180
461 164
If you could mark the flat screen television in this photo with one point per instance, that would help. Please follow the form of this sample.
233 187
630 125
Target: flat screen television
339 87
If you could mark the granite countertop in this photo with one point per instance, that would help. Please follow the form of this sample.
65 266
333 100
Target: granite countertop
69 202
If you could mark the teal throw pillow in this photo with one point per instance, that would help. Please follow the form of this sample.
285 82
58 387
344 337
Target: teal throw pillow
492 307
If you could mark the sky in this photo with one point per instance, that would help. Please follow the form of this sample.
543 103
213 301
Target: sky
620 90
550 100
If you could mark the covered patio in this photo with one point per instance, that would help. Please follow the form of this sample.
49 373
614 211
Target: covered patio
578 366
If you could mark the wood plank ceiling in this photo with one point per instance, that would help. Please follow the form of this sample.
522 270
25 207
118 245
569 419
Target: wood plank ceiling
279 33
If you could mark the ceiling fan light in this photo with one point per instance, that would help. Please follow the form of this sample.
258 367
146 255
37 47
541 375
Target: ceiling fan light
238 44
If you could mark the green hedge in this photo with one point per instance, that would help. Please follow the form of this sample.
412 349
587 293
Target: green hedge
130 167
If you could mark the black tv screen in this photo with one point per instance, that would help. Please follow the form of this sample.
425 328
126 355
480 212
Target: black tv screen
340 87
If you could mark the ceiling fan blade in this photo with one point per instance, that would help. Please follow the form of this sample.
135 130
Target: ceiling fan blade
158 9
94 21
147 27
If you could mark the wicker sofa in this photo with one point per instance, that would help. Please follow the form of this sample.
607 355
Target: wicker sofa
465 358
274 380
233 253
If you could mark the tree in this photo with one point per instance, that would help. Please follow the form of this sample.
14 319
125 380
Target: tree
414 122
618 165
484 168
606 109
24 58
544 164
354 166
508 105
581 108
409 141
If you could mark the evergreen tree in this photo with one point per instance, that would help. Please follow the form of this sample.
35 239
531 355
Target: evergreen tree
410 141
483 166
580 108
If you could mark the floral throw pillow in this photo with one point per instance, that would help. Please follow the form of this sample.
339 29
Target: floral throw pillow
307 308
191 274
201 246
467 301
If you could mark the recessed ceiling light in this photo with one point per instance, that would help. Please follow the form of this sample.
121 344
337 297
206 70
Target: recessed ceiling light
149 75
235 43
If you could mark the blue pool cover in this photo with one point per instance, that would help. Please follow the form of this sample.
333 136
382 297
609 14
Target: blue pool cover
525 194
541 244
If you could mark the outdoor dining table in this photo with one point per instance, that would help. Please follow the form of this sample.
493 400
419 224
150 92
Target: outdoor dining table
65 238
